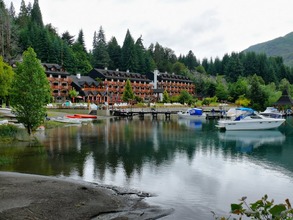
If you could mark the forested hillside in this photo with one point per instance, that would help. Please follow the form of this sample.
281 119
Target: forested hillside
24 29
281 46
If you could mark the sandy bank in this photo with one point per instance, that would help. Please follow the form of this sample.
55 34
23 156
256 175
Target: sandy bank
24 196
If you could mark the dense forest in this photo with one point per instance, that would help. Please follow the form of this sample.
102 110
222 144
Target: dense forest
18 31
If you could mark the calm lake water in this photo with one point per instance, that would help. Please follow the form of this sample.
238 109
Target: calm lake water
189 165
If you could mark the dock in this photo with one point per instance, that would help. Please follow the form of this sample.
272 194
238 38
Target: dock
154 113
141 114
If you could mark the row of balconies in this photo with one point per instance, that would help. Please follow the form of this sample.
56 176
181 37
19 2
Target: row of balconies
110 83
55 79
60 87
174 83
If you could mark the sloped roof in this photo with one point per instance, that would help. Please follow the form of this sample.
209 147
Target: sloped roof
80 81
285 99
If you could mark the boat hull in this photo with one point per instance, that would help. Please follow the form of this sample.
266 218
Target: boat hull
192 117
250 125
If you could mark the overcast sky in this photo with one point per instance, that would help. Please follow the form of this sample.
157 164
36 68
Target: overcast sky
209 28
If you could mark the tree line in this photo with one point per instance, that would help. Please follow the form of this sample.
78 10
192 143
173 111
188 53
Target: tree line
26 29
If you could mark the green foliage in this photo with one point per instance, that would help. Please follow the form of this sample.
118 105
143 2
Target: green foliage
166 98
30 91
184 97
128 94
73 94
261 209
242 101
6 77
8 130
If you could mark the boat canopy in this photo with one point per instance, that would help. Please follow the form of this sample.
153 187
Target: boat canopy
245 109
195 111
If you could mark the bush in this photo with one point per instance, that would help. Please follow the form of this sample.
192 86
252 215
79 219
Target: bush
261 209
8 130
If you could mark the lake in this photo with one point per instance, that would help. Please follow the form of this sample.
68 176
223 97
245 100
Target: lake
189 165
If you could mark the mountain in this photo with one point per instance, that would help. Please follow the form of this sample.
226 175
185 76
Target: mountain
281 46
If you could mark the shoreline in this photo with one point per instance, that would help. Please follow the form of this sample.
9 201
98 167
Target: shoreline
29 196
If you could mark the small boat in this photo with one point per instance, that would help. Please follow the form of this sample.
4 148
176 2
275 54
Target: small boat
250 120
272 112
7 112
85 116
192 113
66 120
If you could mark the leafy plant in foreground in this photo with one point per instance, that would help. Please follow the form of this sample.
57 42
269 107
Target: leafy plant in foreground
261 209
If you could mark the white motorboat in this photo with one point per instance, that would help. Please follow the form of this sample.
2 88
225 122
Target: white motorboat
7 112
272 112
250 120
192 113
66 120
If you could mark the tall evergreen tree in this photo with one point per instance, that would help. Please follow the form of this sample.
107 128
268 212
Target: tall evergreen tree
23 15
36 15
114 51
100 57
68 38
128 53
80 40
141 56
190 61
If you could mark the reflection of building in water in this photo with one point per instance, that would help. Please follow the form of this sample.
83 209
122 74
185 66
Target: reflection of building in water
246 141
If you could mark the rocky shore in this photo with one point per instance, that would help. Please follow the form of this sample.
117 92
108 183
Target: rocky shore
24 196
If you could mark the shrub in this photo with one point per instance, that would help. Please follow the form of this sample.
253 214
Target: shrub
8 130
261 209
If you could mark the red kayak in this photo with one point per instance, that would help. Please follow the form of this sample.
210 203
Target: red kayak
81 116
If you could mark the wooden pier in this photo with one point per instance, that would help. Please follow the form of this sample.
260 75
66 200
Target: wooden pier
154 113
141 114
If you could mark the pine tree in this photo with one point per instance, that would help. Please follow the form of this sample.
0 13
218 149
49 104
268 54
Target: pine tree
114 51
129 57
36 15
101 58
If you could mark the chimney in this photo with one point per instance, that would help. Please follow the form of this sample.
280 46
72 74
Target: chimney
127 71
78 75
106 68
156 73
117 69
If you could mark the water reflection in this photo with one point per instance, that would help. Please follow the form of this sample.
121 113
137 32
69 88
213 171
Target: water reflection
192 123
190 165
246 141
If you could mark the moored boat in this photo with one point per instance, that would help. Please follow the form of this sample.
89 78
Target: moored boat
250 120
84 116
272 112
192 113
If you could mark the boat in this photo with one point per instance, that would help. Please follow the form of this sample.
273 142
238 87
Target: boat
66 120
85 116
233 113
272 112
249 120
7 112
192 113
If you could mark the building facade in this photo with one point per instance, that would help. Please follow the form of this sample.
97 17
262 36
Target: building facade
59 80
107 86
88 89
112 84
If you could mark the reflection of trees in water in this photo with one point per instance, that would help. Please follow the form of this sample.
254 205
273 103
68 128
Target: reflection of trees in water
130 145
